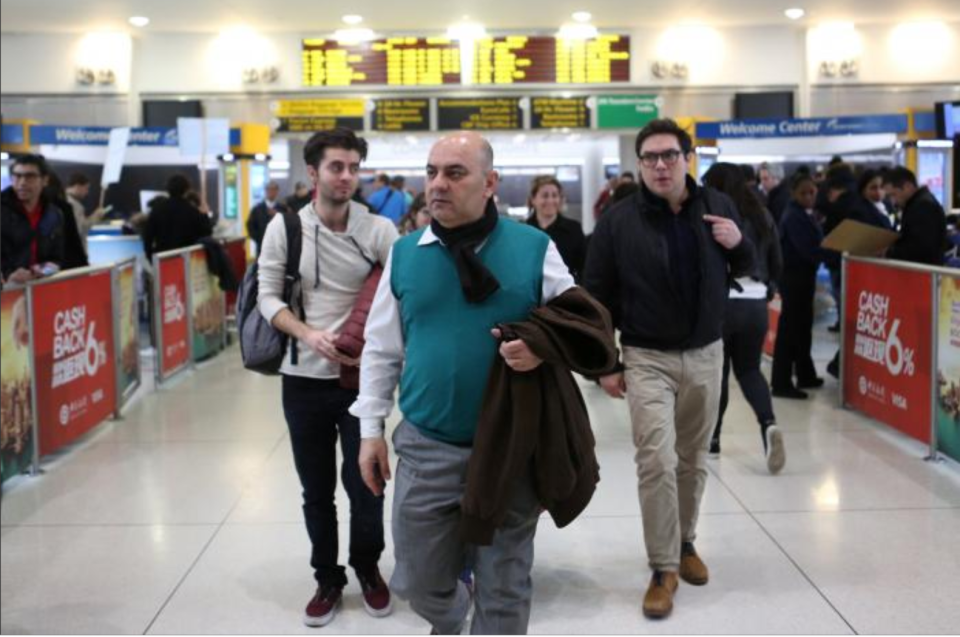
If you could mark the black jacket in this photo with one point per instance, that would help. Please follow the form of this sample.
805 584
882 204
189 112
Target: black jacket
628 270
174 223
571 244
768 265
923 231
850 205
259 220
536 422
800 239
16 235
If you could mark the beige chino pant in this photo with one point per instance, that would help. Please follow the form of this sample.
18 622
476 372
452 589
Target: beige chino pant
674 399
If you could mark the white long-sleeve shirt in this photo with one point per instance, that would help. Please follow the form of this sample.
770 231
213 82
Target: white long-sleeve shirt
384 352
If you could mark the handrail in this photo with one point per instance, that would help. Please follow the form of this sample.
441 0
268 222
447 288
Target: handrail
905 265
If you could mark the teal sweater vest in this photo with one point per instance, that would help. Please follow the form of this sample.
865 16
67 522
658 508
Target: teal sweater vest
449 349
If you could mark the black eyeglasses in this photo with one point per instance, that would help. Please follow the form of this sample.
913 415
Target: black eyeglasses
669 157
15 176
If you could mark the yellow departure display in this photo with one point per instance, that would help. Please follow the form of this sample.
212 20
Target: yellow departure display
518 59
401 61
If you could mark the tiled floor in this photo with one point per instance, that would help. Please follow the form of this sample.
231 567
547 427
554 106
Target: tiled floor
184 517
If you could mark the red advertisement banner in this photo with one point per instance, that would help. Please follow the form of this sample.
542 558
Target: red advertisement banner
887 346
73 357
237 252
174 330
16 404
773 322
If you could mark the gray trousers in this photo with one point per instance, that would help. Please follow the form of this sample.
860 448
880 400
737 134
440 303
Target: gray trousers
430 480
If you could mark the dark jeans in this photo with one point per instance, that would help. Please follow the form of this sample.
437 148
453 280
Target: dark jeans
744 330
316 410
791 355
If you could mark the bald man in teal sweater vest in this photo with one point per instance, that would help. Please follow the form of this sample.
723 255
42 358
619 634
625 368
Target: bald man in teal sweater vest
432 329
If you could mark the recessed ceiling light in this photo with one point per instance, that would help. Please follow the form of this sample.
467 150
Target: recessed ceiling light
353 36
352 19
578 31
582 16
139 21
467 31
794 13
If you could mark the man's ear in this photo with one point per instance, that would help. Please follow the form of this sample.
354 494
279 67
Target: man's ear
492 181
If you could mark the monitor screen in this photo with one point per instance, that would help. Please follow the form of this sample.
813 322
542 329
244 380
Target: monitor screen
948 119
165 112
773 104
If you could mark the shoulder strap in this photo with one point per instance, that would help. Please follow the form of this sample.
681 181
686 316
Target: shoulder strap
369 261
291 278
383 204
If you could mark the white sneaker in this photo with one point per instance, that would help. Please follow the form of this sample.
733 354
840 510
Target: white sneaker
776 452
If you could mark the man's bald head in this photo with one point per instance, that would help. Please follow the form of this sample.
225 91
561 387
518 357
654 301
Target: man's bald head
460 178
473 142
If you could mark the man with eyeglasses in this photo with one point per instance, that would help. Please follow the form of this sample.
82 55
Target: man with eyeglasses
31 228
661 261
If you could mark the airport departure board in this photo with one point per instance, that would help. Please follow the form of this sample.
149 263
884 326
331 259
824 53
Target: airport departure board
401 114
311 115
518 59
559 112
482 113
401 61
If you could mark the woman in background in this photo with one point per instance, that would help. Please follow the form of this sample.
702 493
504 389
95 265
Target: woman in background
546 202
745 326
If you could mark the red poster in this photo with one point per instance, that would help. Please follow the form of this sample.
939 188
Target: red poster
887 346
73 357
237 251
773 321
173 314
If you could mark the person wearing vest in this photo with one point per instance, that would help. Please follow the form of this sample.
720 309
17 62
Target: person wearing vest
436 336
333 270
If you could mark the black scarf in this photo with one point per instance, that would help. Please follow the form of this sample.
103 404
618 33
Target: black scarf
477 282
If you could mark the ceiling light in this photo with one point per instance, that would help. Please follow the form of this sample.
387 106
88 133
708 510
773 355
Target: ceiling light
467 31
794 13
577 32
139 21
353 36
582 16
352 19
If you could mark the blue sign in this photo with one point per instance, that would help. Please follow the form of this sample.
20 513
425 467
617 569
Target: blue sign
812 127
100 136
925 122
12 134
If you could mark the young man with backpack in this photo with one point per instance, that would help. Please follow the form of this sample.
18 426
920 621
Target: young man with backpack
339 241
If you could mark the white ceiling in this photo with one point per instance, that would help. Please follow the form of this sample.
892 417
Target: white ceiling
311 16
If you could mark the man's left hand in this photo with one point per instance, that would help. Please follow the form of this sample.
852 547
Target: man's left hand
517 355
725 231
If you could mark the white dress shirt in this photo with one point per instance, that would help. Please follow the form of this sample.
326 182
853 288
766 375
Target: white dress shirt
383 354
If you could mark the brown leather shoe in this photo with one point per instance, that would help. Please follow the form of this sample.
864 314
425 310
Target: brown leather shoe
658 602
692 569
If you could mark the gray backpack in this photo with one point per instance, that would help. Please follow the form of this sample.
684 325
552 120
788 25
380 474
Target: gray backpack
262 346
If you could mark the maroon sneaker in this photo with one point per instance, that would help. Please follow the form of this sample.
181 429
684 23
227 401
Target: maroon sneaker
376 595
323 607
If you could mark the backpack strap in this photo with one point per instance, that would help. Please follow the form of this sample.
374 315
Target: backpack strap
363 254
291 277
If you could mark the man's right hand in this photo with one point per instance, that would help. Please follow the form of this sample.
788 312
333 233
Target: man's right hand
614 384
374 464
21 275
323 342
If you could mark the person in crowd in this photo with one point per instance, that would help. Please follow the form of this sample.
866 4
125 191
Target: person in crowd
74 250
399 183
841 200
870 187
386 200
31 225
262 213
923 227
301 197
800 238
339 236
745 326
660 262
546 203
606 195
776 193
483 271
174 223
78 189
417 217
750 176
